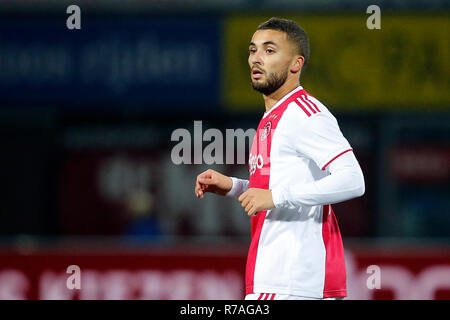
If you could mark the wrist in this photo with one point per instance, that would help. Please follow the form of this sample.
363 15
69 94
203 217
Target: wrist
228 184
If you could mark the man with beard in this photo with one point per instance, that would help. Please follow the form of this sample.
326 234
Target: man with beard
300 163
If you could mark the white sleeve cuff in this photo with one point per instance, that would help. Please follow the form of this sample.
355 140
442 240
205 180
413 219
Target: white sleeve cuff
239 187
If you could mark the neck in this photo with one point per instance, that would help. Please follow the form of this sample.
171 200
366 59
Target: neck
274 97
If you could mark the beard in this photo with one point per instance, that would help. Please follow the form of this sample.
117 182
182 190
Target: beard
274 81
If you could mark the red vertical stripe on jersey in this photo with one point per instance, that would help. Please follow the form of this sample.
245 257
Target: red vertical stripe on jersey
273 296
335 274
300 104
259 179
260 296
257 224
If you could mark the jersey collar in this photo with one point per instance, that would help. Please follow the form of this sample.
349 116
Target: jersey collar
282 100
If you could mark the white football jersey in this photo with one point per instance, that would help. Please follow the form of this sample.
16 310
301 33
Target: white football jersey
295 250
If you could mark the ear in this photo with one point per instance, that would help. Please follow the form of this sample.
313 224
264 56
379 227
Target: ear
297 64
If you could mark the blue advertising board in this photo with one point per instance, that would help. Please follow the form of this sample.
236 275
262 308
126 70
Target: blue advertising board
147 62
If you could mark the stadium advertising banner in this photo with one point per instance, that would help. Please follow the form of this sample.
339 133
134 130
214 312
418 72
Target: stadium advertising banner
121 60
404 65
201 274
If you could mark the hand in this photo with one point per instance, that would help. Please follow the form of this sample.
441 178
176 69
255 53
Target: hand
212 181
256 199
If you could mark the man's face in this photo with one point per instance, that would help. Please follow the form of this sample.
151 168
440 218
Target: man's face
270 57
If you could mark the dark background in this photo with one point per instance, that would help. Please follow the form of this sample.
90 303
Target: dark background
86 118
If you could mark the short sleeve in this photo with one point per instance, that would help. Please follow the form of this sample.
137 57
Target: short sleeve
320 139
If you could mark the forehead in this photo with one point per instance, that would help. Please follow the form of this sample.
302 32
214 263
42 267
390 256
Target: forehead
262 36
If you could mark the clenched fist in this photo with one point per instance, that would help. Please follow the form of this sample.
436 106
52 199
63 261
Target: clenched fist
255 199
212 181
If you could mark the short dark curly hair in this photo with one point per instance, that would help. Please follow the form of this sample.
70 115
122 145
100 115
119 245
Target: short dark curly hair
295 33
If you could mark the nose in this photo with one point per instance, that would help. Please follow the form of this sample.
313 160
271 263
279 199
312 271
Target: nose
255 59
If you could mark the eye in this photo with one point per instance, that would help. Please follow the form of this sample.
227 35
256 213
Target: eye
270 50
252 50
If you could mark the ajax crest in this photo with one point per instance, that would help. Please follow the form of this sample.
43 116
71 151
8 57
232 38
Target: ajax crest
266 131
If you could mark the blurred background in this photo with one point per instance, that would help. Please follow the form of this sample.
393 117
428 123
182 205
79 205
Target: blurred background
86 118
